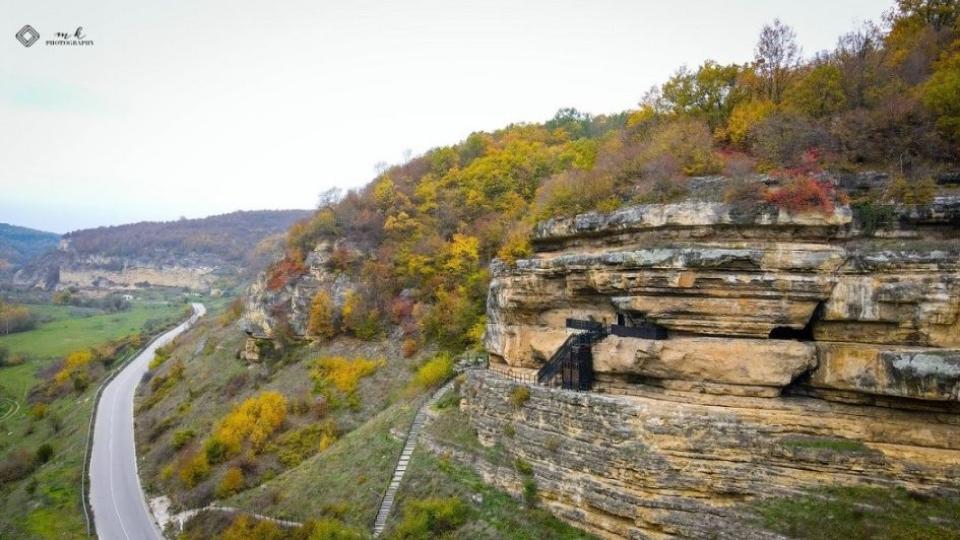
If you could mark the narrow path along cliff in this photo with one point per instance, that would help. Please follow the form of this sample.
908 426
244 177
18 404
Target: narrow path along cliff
119 508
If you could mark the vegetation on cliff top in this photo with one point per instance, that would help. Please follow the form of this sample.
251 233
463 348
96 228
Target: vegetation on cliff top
421 234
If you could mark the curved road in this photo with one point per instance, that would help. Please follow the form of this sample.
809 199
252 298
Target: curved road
119 508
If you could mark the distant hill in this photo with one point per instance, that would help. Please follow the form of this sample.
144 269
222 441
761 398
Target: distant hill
228 236
192 253
20 244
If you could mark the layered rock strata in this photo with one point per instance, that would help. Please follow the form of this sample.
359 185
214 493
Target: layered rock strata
799 352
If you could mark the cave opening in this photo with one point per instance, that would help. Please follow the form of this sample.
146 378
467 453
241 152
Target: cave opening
801 334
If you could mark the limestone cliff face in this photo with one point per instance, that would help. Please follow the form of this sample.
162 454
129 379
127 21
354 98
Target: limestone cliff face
266 307
780 330
663 463
796 295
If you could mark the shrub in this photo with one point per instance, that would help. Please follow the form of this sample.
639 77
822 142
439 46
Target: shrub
231 483
294 447
253 421
17 466
244 527
74 363
331 529
873 216
216 450
358 318
181 437
530 492
286 269
780 139
409 347
515 246
39 410
431 518
338 377
803 194
321 323
688 143
519 395
523 467
434 371
232 313
193 468
43 454
920 192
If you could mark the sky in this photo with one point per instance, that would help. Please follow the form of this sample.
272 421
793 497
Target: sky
196 107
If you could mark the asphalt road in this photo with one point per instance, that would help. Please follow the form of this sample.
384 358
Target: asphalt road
119 508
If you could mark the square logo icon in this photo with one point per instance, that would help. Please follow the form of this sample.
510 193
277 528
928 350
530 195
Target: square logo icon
28 36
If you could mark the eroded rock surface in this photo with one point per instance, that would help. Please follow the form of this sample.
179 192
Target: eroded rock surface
799 352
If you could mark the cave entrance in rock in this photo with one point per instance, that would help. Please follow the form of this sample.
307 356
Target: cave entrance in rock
638 326
802 334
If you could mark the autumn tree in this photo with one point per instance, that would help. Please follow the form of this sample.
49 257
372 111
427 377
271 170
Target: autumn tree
710 92
321 322
777 55
818 92
941 95
253 421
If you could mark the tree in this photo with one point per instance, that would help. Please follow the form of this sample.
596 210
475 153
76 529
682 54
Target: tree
321 322
859 57
818 93
777 55
711 92
941 95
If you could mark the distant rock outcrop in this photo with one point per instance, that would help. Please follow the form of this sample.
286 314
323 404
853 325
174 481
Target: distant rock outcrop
189 253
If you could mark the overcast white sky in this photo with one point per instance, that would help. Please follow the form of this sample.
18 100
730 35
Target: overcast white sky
188 107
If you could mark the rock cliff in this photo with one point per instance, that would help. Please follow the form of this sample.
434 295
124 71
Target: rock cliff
800 350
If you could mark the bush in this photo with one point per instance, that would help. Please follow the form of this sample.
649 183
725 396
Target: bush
73 364
338 377
231 483
39 411
519 395
232 313
17 466
193 468
781 139
253 421
920 192
530 492
43 454
294 447
434 371
331 529
181 437
686 142
431 518
803 194
286 269
409 347
321 323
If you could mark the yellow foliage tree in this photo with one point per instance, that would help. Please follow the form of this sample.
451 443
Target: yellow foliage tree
231 482
744 117
252 421
321 316
74 363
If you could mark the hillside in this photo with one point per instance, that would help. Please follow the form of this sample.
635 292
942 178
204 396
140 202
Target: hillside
20 244
873 121
190 253
764 255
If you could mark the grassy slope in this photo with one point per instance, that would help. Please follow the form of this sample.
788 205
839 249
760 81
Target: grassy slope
851 513
210 389
47 504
